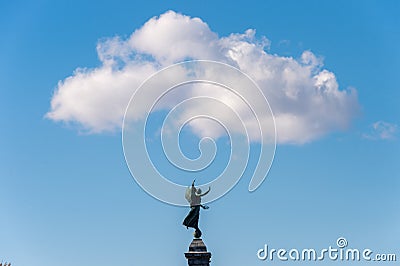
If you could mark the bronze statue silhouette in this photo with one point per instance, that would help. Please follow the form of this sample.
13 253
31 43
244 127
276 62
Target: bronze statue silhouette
193 196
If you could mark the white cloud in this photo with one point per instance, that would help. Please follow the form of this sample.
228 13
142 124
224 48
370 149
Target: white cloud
305 98
382 130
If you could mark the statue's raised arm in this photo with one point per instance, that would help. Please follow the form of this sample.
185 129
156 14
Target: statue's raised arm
205 193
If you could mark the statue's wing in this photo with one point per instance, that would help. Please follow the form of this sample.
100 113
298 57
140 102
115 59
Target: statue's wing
188 195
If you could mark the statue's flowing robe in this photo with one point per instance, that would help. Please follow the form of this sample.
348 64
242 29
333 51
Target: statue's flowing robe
192 219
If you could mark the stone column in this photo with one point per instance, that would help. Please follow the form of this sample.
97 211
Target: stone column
198 255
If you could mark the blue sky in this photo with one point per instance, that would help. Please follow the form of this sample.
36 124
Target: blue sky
68 196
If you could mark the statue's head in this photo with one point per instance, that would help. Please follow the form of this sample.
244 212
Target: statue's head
198 191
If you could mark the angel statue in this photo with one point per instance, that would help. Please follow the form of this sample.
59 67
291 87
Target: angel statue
193 196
